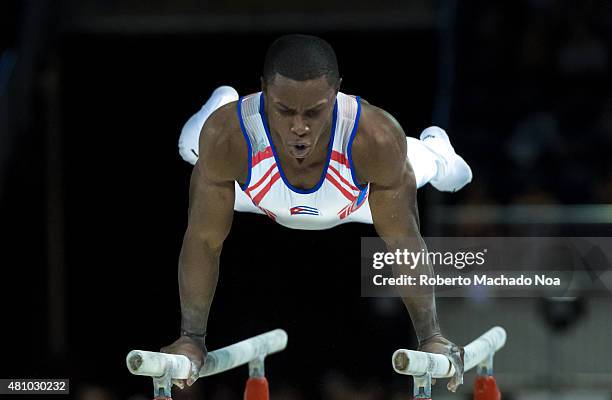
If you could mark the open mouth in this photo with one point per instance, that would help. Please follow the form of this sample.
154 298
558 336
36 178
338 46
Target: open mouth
300 149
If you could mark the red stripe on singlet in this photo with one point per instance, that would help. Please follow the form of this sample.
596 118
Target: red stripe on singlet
341 188
342 179
266 189
339 157
262 155
261 180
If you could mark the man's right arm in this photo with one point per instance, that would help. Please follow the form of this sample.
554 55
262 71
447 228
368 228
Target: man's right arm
211 200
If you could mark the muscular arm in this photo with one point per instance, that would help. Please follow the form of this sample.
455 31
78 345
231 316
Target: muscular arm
379 154
211 201
393 203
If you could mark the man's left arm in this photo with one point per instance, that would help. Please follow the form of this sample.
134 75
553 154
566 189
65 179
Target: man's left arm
379 154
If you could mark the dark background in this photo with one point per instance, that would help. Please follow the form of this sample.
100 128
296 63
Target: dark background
93 193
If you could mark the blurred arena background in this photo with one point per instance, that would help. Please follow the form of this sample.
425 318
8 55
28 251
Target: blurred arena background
93 194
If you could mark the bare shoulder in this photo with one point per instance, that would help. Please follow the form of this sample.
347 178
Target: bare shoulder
223 150
379 147
376 126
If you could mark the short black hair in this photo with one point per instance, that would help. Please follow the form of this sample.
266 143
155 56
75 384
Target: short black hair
301 57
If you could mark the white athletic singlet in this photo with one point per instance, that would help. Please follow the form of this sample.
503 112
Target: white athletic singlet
337 197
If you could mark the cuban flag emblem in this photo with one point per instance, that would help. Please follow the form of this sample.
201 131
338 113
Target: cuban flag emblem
303 210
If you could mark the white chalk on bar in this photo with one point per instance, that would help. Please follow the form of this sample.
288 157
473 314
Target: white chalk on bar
439 366
155 364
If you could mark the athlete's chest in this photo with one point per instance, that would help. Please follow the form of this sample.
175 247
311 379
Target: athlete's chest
326 198
309 209
304 178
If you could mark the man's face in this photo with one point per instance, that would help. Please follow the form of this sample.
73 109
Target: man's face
299 113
